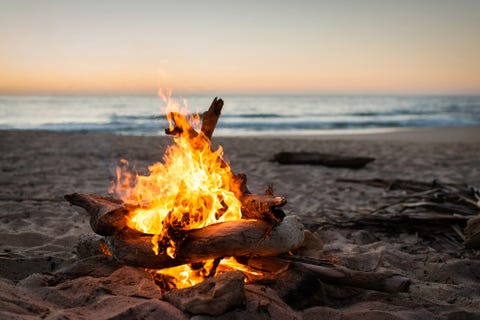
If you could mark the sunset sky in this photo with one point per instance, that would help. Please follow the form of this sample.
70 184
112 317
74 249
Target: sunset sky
324 47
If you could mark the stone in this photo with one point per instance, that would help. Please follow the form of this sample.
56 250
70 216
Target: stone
214 296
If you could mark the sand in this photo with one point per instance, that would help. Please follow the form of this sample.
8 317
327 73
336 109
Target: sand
39 230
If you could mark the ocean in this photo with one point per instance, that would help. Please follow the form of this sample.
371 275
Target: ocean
241 115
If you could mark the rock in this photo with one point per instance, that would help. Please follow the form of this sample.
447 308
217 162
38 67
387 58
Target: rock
120 307
312 246
262 304
322 313
213 297
134 282
17 303
126 281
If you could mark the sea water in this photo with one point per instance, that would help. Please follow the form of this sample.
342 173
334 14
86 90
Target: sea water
242 115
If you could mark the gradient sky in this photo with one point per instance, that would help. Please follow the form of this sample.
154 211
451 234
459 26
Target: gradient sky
356 46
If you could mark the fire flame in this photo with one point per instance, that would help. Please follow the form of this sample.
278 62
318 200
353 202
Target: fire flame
192 188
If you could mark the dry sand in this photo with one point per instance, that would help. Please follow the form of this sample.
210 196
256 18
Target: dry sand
38 229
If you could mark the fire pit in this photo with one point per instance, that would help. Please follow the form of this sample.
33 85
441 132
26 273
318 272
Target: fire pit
192 219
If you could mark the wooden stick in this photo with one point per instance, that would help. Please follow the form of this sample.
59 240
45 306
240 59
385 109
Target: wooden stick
234 238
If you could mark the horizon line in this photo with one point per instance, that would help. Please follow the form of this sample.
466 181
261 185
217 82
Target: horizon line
232 93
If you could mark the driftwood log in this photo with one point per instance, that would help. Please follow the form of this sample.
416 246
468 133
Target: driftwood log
323 159
233 238
333 273
386 282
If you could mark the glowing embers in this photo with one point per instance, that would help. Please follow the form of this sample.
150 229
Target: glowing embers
185 276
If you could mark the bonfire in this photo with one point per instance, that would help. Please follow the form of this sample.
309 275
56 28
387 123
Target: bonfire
192 219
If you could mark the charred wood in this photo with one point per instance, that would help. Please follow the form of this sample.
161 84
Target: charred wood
262 207
210 118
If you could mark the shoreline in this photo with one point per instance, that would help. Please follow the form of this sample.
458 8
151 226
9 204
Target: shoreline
466 134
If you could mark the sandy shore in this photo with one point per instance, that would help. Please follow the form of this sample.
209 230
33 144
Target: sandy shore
38 229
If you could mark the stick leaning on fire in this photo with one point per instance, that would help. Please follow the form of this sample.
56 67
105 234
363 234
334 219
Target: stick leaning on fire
263 231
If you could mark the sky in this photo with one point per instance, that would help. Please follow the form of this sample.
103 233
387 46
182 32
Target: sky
304 47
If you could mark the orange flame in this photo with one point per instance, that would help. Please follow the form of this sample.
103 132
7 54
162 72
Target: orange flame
191 188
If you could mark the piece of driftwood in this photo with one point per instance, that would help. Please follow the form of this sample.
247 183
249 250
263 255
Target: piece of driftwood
472 233
107 214
213 297
232 238
323 159
333 273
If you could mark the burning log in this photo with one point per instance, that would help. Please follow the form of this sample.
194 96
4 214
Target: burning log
233 238
108 215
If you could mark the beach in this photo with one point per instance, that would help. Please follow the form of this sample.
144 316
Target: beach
39 229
